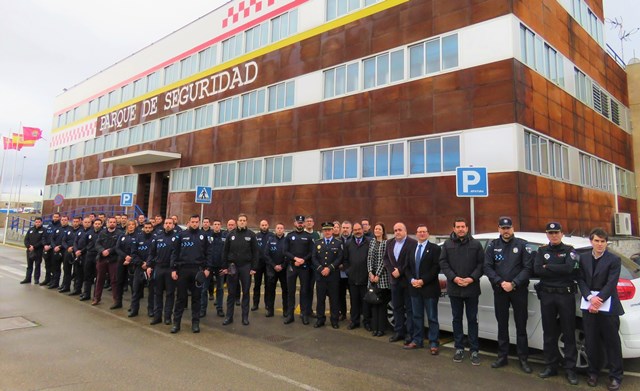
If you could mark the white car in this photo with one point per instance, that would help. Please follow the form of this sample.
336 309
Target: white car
628 291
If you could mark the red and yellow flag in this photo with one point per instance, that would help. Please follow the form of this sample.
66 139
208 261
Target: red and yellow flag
8 143
19 140
31 133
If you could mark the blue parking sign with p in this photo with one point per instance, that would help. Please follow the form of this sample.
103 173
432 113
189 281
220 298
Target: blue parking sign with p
472 182
126 199
203 195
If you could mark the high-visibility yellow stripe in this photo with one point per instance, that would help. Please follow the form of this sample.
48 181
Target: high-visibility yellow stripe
378 7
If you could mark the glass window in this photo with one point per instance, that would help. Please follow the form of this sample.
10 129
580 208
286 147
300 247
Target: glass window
207 58
369 66
99 145
167 126
188 66
123 138
450 153
416 60
397 65
126 92
204 116
382 71
130 183
105 186
433 56
171 73
153 81
88 147
117 183
135 135
368 162
450 51
149 131
416 157
434 155
139 87
185 121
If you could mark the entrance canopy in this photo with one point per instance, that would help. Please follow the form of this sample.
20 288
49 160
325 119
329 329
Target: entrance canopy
142 157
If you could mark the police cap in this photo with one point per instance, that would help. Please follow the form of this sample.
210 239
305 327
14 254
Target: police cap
553 227
299 219
504 222
327 225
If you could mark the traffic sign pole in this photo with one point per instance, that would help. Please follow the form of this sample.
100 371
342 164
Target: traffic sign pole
201 214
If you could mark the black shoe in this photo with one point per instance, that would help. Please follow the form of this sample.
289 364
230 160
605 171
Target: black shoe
592 380
318 324
195 327
64 289
237 303
45 282
84 298
115 306
167 321
500 362
26 281
221 313
548 372
352 326
335 325
155 321
53 286
524 365
367 326
254 307
572 378
343 317
614 385
133 314
395 337
74 293
288 319
269 314
245 321
203 314
150 313
305 319
227 321
175 328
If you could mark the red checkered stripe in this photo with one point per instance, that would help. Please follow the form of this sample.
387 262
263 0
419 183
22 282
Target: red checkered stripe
72 135
244 9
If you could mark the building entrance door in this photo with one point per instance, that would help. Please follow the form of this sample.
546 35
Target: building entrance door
144 192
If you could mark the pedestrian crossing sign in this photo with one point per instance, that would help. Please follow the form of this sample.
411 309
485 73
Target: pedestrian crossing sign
203 195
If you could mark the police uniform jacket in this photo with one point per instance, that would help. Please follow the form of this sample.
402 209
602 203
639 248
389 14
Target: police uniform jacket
298 244
428 272
327 255
508 261
108 240
241 248
561 263
275 251
216 246
141 248
88 244
49 231
604 280
58 235
462 257
80 242
34 238
70 238
263 238
161 248
125 245
355 261
191 248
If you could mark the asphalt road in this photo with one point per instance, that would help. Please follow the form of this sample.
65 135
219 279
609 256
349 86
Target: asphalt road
74 346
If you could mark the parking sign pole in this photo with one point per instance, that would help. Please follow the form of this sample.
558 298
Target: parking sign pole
472 211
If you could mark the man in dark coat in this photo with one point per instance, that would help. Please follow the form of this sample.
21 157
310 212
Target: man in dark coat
355 256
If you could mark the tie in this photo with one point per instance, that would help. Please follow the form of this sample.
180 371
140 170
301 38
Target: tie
358 241
327 241
418 258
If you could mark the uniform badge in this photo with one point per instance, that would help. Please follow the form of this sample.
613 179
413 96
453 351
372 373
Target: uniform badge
173 239
293 237
547 256
319 246
201 237
233 237
122 239
515 250
572 255
89 237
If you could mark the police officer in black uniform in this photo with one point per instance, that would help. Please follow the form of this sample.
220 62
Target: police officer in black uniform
508 264
90 258
57 249
557 265
79 251
139 256
47 254
262 236
68 250
159 262
33 242
298 246
276 271
327 258
190 256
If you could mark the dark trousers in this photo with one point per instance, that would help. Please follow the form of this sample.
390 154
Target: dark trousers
270 289
122 278
601 334
420 305
241 280
137 289
56 266
257 284
89 273
219 291
33 265
67 268
187 282
327 286
204 295
78 273
562 307
164 283
460 305
311 283
48 267
518 300
379 312
293 274
402 311
102 267
343 287
358 306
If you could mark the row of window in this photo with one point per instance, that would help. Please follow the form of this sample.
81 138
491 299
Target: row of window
540 56
598 99
104 187
338 8
423 59
253 172
587 19
545 156
598 174
429 155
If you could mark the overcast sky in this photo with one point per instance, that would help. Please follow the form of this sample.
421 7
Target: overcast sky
47 45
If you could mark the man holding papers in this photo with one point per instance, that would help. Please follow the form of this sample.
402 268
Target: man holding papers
601 309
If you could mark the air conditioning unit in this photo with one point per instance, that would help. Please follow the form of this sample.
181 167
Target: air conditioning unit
622 223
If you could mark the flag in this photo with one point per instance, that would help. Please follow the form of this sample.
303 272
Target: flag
18 140
8 143
31 133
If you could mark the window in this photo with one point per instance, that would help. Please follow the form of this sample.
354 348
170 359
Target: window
167 126
153 81
228 109
185 121
123 138
383 69
256 37
284 25
224 175
105 186
94 188
116 185
250 172
88 147
103 104
206 58
109 141
99 145
180 179
93 106
126 92
135 135
232 47
130 183
204 117
188 66
114 98
199 177
278 169
171 73
253 103
337 8
625 183
433 56
434 155
139 87
149 131
341 80
383 160
583 87
340 164
587 19
84 189
540 56
595 173
281 95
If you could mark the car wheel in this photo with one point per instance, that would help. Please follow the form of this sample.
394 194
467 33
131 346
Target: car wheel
390 315
582 362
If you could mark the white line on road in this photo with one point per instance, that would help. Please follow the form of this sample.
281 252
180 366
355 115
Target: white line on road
12 270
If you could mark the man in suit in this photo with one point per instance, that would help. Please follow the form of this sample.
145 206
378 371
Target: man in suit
424 288
395 260
356 252
601 309
508 264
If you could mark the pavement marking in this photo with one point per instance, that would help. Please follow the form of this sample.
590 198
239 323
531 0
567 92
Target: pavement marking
223 356
15 322
12 270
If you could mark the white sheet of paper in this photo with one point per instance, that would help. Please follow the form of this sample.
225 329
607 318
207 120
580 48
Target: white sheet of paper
605 307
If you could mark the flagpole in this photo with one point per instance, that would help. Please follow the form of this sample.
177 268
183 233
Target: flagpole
2 185
6 220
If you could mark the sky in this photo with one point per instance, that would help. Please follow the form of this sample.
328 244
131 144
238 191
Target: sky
46 46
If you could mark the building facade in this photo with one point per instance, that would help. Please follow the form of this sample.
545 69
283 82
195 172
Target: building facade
350 108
